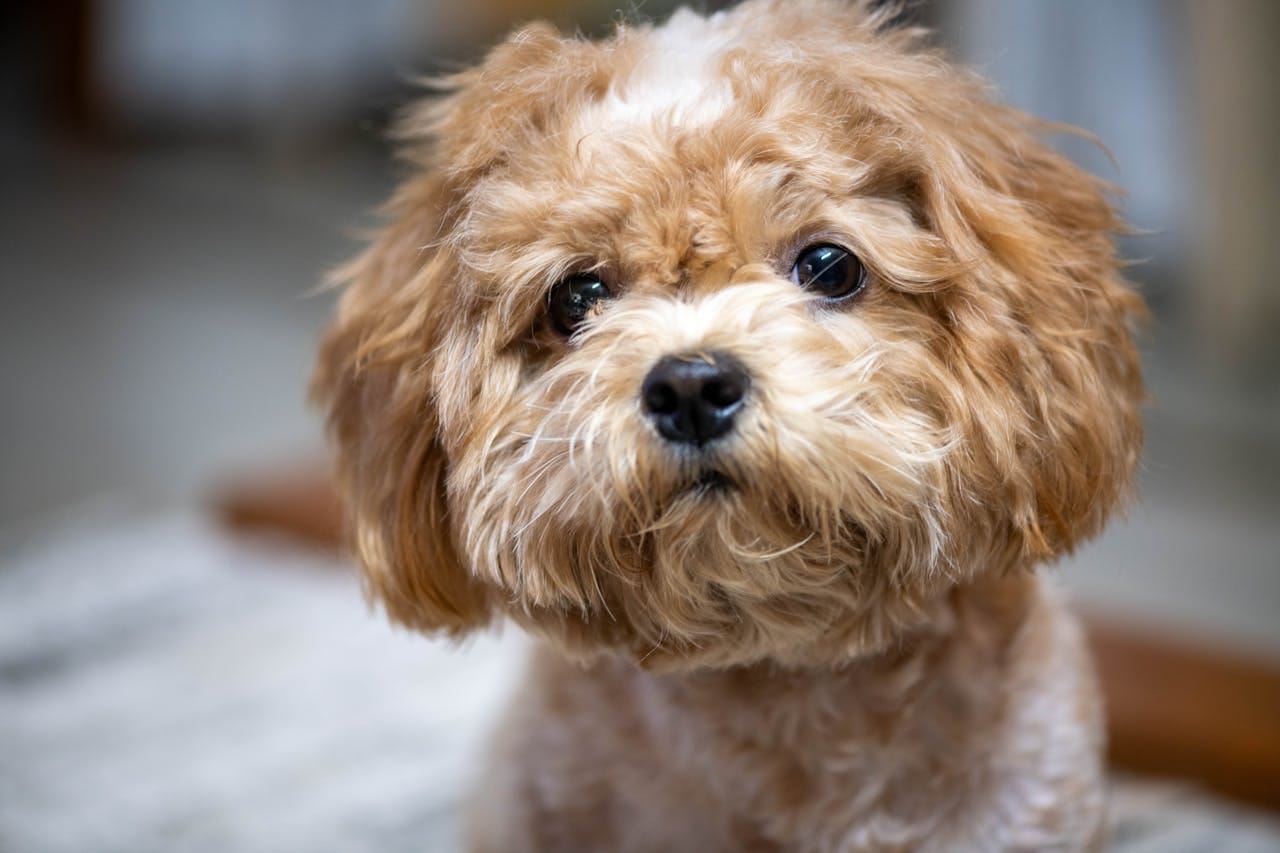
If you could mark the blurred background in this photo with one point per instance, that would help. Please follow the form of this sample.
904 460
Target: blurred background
179 176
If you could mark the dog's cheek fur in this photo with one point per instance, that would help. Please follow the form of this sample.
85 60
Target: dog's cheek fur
838 527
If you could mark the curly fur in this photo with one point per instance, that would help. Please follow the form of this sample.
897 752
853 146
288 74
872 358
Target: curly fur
848 650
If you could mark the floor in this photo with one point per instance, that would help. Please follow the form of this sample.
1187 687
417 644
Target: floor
158 313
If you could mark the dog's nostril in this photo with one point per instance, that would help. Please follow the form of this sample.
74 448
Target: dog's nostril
694 399
722 392
660 398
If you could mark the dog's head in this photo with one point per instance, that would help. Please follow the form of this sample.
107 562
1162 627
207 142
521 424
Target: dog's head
733 339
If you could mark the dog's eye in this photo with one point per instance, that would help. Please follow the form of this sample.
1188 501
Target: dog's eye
829 271
572 299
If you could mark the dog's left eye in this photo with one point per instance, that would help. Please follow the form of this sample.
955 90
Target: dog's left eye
572 299
829 271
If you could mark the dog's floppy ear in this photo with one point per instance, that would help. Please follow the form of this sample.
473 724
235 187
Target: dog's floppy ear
374 377
1045 315
377 374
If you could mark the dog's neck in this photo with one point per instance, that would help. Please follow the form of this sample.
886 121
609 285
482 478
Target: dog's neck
967 632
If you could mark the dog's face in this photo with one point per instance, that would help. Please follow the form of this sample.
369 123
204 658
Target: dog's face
736 339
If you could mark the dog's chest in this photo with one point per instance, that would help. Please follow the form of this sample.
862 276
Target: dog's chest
825 766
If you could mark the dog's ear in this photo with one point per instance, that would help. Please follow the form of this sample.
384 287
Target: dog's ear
378 374
1044 322
374 376
500 107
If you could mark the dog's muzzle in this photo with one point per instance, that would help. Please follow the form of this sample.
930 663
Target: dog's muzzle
693 399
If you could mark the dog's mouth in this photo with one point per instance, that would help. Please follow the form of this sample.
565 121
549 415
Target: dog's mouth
711 483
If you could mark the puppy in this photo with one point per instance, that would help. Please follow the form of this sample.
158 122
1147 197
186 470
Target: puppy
754 362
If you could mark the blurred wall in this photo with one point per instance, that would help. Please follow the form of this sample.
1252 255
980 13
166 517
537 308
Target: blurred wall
276 67
285 68
1185 97
1237 198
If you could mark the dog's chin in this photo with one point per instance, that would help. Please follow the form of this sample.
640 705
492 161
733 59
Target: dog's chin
728 570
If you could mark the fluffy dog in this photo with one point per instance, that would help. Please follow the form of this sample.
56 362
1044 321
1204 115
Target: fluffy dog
753 362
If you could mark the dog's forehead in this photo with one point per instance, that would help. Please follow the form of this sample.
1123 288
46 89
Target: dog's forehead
674 167
651 204
674 77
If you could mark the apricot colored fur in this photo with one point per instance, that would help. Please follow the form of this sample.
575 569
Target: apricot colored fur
850 648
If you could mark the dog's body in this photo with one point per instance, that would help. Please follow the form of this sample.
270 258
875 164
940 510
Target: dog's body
754 362
983 733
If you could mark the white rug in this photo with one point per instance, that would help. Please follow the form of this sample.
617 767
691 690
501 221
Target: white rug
167 687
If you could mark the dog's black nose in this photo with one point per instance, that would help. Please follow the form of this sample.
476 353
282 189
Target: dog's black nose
693 399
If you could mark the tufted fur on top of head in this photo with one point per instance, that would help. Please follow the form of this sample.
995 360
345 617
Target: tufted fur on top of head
974 411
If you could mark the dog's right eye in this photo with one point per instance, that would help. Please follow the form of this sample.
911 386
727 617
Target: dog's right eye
571 300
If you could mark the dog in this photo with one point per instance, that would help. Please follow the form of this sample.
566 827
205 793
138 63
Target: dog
756 363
